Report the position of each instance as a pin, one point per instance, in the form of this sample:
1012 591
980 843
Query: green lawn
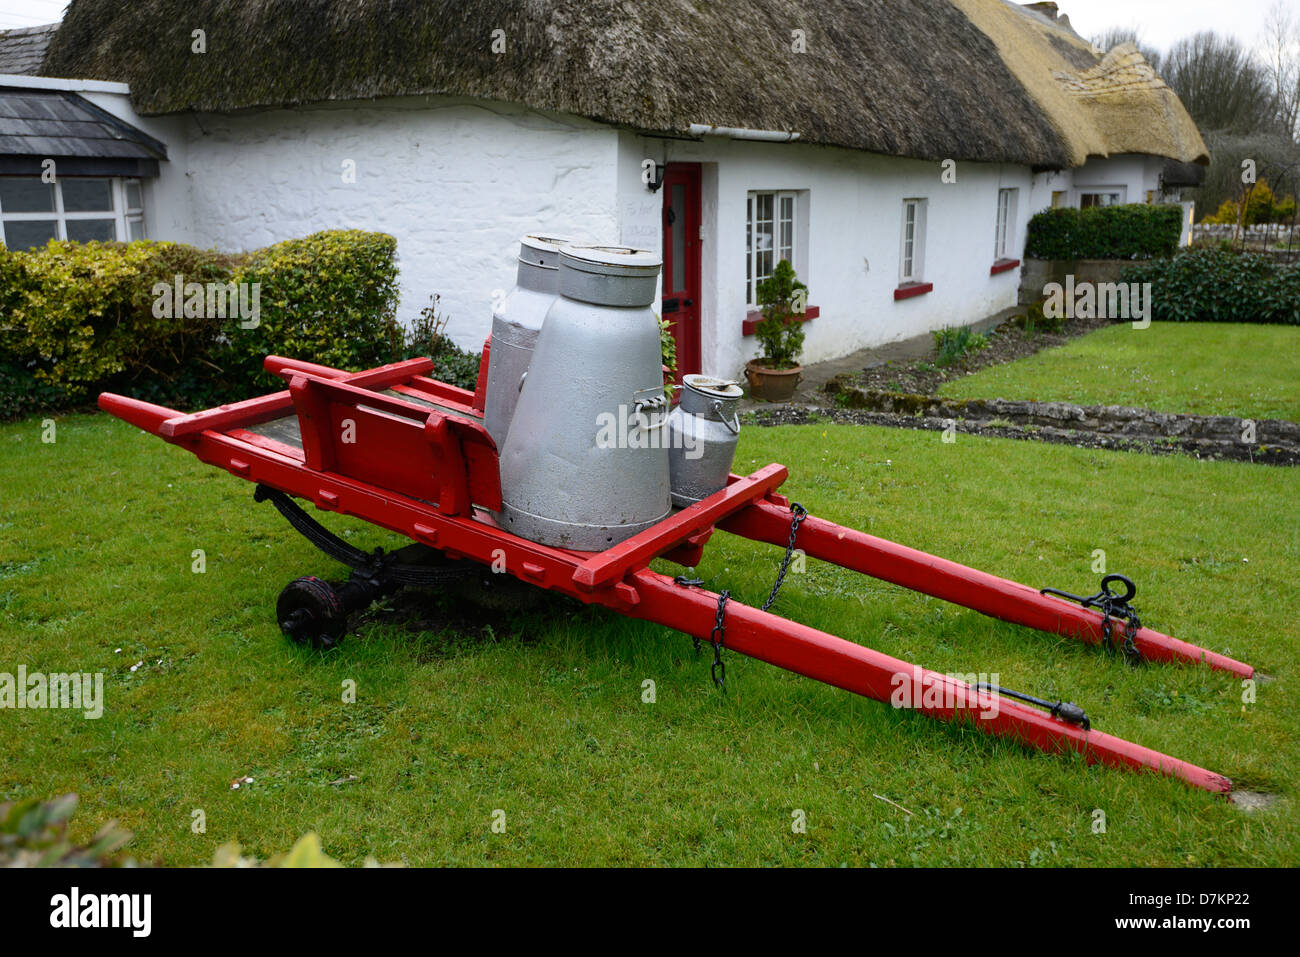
540 715
1203 368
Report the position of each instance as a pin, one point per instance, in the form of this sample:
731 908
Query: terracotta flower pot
774 385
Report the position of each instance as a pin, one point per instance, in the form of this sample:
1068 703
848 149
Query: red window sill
910 290
755 316
1003 265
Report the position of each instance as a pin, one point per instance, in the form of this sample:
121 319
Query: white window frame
911 242
123 217
1121 192
779 197
1004 233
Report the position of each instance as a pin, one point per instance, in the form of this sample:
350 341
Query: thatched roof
911 78
1102 103
23 48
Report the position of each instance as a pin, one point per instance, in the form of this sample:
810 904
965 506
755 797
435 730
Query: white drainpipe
737 133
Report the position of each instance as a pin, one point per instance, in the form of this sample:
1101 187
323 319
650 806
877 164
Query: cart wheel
309 612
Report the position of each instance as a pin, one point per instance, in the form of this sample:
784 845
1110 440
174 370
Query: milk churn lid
713 387
612 260
609 275
541 251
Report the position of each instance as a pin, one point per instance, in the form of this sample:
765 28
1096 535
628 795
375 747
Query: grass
1203 368
540 714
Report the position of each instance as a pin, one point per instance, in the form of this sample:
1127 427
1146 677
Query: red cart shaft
855 668
931 575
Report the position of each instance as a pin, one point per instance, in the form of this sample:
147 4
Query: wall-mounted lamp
652 174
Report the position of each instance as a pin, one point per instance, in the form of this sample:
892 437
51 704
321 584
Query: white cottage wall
457 182
168 210
852 208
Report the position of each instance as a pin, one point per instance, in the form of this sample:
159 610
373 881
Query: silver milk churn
585 463
702 434
516 323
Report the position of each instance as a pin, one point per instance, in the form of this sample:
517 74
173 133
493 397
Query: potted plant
783 299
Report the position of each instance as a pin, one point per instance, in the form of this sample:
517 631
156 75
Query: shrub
956 342
81 316
1035 320
329 298
783 299
1262 206
35 834
77 318
1216 285
1134 231
427 337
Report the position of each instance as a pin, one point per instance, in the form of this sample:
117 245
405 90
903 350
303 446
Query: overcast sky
30 13
1161 22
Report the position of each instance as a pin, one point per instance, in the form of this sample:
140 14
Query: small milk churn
702 434
516 323
585 462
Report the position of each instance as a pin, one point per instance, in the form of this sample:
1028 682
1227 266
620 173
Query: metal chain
798 513
719 633
1131 652
719 669
1111 606
1126 612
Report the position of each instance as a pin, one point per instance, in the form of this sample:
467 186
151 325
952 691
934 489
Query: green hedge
1135 231
1216 285
329 298
76 319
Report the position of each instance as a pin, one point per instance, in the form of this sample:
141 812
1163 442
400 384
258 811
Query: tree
1280 46
1222 86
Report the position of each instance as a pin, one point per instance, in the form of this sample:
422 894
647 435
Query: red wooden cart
405 452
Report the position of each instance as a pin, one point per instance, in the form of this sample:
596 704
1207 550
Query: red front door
681 301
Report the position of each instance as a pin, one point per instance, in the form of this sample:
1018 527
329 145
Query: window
771 234
1059 197
83 209
1101 196
1004 239
912 254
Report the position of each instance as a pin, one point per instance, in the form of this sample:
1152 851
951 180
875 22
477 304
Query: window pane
135 229
749 252
765 263
87 195
27 234
786 231
26 195
134 198
86 230
763 237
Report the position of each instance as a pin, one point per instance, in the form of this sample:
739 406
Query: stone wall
1035 274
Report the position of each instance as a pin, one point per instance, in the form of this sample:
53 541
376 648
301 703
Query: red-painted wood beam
931 575
855 668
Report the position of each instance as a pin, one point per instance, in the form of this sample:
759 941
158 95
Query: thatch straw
901 77
1101 105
